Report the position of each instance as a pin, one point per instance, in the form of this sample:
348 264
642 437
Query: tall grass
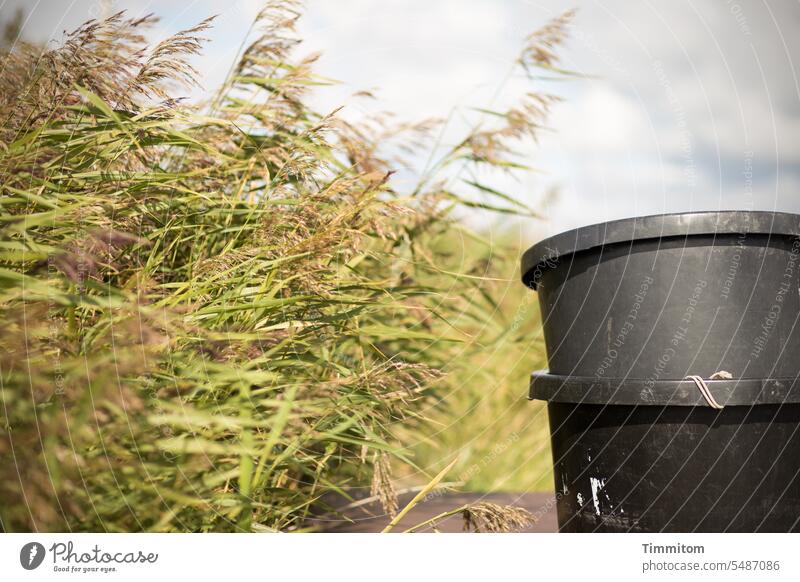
212 315
483 415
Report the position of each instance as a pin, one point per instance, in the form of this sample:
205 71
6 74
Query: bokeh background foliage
211 315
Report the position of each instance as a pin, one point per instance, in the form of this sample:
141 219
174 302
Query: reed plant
213 314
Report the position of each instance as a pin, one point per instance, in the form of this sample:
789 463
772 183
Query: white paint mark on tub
580 499
564 487
597 485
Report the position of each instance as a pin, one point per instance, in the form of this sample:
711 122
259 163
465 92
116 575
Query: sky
676 106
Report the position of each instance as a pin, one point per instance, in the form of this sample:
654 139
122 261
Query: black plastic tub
630 309
663 297
633 460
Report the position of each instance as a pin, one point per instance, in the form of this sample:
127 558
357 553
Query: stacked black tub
630 309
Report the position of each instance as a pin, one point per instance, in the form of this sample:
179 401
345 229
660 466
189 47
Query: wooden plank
370 517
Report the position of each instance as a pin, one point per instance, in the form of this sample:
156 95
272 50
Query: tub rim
545 254
647 392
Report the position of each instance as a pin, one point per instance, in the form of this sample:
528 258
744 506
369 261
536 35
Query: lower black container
630 456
